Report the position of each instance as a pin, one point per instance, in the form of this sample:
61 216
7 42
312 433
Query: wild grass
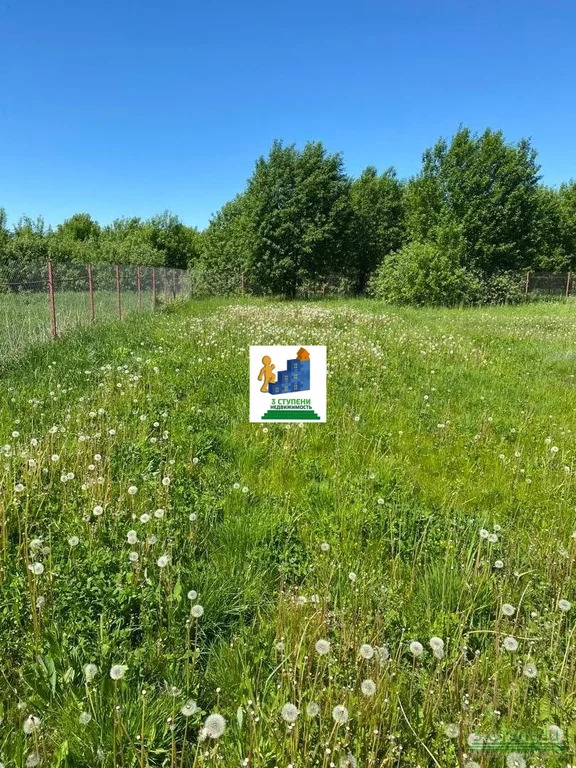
25 317
371 592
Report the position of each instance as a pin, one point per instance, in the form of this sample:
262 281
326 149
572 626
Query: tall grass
372 592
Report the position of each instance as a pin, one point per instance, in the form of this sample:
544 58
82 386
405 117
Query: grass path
364 532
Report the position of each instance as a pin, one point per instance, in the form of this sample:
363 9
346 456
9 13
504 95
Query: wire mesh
40 299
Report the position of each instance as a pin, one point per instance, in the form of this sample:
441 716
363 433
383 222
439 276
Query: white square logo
288 384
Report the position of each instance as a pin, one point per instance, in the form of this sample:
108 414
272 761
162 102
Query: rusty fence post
568 282
91 291
118 291
53 329
139 287
153 288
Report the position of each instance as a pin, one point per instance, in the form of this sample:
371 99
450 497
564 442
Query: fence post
527 286
153 287
139 287
118 292
164 287
173 284
91 290
53 329
568 281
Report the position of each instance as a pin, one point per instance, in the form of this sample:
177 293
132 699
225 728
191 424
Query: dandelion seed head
322 647
117 671
289 713
515 760
529 670
416 648
564 605
197 611
368 688
90 672
31 724
85 718
452 730
508 609
214 726
510 643
189 708
366 651
340 714
312 709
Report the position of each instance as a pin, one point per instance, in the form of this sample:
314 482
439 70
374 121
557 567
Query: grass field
25 317
368 592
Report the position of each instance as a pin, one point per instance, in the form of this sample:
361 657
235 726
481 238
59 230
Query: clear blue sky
121 108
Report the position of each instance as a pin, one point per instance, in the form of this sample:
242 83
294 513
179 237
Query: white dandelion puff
31 724
322 647
366 651
416 648
510 643
189 708
452 730
214 726
515 760
340 714
508 609
529 670
368 688
564 605
163 561
197 611
312 709
90 672
117 671
85 718
289 713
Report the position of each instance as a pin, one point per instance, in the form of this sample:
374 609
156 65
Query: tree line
463 229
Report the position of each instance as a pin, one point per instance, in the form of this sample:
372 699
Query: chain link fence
40 300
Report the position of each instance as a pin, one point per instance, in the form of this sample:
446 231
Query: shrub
422 273
503 288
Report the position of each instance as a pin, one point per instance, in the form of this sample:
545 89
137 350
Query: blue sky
129 108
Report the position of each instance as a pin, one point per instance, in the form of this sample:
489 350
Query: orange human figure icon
266 375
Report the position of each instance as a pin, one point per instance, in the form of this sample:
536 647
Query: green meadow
396 587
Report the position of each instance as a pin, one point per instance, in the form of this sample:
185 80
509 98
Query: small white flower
192 517
19 487
484 533
166 481
159 514
145 518
132 490
132 537
352 576
192 594
498 564
117 671
133 557
325 547
289 713
98 510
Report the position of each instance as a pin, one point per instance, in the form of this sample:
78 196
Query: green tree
482 194
299 213
378 228
179 244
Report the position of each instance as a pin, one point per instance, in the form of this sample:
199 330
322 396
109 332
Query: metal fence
39 300
551 285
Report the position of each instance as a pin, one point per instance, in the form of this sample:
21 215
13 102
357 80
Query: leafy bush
422 273
503 288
